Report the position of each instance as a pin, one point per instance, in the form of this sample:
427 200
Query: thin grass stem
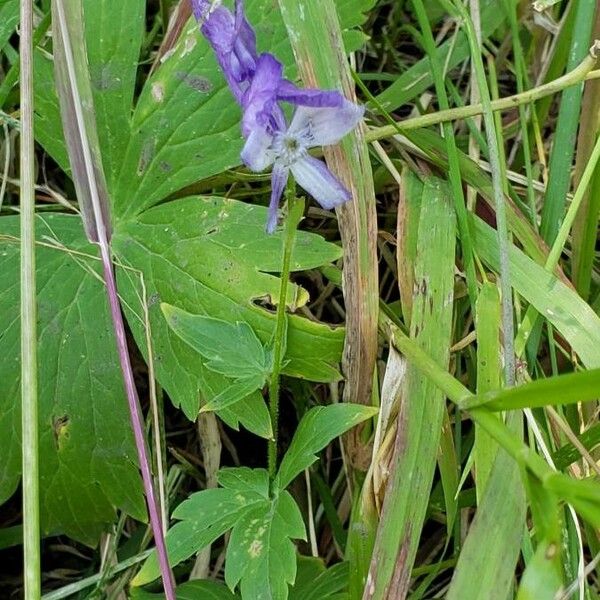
581 73
29 380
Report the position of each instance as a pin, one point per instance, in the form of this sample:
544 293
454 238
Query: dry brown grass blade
349 161
179 17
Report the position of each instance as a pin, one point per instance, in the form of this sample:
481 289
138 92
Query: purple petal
313 175
201 9
255 154
288 92
260 100
232 40
279 178
245 43
325 126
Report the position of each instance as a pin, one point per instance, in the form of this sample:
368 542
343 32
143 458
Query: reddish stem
137 423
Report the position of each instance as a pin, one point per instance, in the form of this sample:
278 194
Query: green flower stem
577 75
29 379
295 211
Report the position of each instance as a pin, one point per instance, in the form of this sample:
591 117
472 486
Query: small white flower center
288 148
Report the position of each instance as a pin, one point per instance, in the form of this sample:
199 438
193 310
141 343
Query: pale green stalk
581 73
29 382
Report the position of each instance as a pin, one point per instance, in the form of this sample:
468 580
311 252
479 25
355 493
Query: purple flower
321 119
233 40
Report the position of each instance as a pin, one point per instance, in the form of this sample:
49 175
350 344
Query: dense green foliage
408 461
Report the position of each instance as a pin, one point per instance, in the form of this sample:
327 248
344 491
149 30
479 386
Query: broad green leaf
9 17
315 582
184 112
561 305
206 515
231 349
318 427
191 590
114 32
89 465
211 256
260 554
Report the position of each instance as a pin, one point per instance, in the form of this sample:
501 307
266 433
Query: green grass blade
451 151
488 376
560 304
498 527
563 145
420 420
561 389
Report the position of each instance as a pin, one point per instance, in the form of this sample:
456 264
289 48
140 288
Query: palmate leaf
260 553
89 464
159 146
211 256
317 428
184 110
261 556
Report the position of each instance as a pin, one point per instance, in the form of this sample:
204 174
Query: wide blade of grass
422 406
488 376
498 527
560 304
561 389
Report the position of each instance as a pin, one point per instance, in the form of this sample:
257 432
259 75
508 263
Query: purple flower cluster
321 117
